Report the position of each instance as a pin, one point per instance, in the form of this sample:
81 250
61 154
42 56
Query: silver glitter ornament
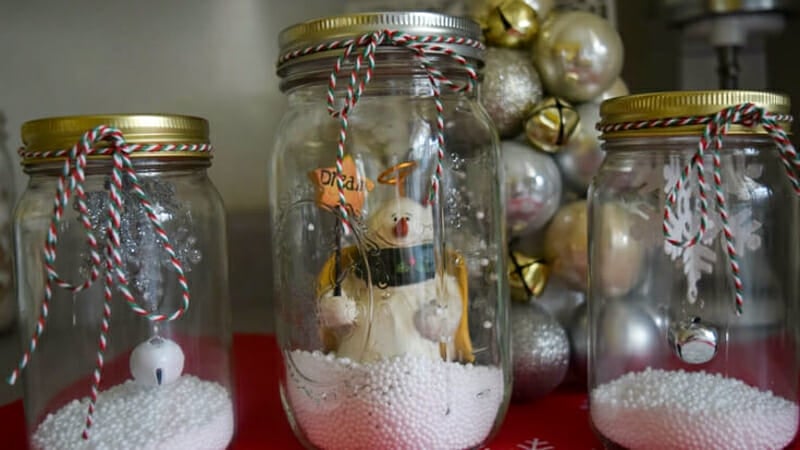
540 350
694 341
582 155
533 187
509 90
578 55
144 261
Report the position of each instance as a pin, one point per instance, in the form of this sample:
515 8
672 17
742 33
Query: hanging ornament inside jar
145 262
156 362
694 341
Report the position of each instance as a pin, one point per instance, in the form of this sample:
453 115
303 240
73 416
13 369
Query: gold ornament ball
578 55
618 89
511 24
618 257
583 154
509 90
551 124
567 244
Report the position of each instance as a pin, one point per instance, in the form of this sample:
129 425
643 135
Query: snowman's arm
438 319
335 310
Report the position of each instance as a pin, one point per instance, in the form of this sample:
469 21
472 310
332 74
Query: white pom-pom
337 310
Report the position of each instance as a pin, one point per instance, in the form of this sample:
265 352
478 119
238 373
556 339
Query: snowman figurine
391 301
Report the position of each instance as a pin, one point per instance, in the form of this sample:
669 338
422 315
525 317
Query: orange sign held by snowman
355 186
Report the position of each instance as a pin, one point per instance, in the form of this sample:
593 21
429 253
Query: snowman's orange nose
401 228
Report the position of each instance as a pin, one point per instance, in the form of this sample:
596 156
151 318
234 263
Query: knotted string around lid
71 181
717 126
422 47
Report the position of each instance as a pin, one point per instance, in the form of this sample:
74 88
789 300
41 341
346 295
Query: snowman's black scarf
397 266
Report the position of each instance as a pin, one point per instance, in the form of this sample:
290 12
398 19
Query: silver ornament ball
559 300
540 350
510 89
578 332
583 154
533 187
626 339
578 55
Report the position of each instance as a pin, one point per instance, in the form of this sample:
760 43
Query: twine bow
422 47
71 182
716 127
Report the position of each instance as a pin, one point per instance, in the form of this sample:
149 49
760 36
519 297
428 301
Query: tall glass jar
390 288
693 314
131 334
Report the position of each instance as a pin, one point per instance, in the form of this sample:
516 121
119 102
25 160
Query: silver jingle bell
694 341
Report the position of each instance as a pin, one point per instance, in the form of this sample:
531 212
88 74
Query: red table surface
558 421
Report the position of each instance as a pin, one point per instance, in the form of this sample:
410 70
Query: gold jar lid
679 104
42 138
321 34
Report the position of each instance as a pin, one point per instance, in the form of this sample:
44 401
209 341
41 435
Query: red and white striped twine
71 181
422 47
717 126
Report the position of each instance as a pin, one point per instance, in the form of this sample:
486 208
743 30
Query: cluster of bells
547 72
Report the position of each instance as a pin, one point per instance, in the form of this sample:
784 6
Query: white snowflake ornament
683 224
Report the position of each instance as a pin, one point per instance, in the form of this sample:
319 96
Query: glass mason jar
693 319
157 373
391 295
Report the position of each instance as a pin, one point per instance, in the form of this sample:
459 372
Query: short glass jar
679 357
157 373
391 296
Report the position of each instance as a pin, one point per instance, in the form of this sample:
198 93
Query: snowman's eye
394 218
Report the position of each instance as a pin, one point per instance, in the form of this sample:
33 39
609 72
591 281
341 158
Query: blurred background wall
215 59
